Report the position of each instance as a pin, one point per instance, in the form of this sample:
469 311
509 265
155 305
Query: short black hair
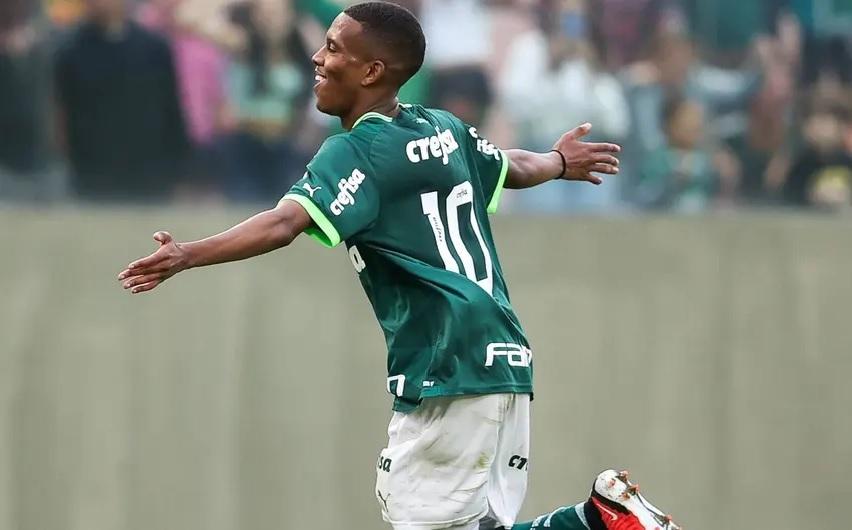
397 30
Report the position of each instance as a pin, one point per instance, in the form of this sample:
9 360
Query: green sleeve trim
324 232
372 115
498 192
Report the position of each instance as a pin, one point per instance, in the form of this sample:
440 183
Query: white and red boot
621 507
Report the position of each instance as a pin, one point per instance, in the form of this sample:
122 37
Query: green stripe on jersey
494 204
326 234
372 115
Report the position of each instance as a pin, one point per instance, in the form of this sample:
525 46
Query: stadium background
689 319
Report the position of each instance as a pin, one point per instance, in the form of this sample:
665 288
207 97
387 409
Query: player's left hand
147 273
584 159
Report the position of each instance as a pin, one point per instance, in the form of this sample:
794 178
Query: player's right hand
147 273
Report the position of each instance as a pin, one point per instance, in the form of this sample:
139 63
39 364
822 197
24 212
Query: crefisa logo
348 187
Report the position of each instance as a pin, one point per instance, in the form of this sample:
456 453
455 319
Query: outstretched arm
265 232
582 159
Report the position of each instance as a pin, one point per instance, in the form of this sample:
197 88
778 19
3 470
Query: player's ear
376 70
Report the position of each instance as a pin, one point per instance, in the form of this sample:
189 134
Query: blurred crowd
718 103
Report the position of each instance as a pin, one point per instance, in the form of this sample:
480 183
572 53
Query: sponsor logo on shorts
384 464
518 462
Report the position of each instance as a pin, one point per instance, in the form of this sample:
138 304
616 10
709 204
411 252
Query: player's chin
321 98
326 107
322 107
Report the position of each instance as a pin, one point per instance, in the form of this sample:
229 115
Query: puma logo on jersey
348 187
311 190
439 146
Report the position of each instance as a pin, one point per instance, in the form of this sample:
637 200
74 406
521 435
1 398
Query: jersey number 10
460 195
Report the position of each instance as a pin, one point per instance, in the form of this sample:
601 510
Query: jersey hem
326 234
400 406
494 204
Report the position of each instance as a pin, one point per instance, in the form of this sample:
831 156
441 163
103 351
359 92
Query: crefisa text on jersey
347 187
441 146
484 146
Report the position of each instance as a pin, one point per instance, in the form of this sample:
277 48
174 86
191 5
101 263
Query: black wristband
564 163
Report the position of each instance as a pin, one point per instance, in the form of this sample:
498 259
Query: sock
583 516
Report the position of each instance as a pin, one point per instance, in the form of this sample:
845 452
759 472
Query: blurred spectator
821 175
64 13
268 89
724 29
458 33
200 67
827 62
823 17
643 72
672 69
763 145
26 170
552 81
553 77
625 27
679 175
122 122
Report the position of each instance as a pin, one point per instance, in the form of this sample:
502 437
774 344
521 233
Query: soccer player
408 190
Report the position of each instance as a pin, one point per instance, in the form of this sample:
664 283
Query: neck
389 106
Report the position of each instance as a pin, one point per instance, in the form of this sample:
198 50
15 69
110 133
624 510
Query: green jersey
409 196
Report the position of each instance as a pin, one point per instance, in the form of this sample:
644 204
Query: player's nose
319 57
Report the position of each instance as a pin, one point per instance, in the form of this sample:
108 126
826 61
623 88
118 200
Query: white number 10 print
460 195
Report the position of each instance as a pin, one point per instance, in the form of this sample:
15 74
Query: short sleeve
492 165
338 191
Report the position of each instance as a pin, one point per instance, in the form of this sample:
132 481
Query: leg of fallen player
565 518
614 503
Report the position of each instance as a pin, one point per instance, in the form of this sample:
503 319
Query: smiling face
371 50
343 68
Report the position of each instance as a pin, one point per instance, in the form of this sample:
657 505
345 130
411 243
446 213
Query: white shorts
455 461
